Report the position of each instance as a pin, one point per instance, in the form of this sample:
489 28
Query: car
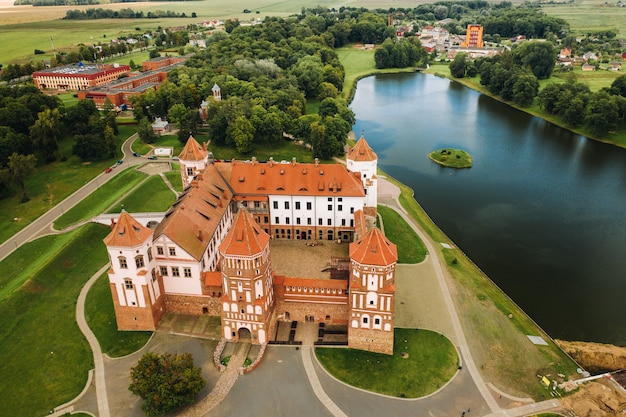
174 158
152 157
109 169
120 162
136 154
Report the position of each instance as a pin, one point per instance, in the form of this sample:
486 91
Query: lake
542 212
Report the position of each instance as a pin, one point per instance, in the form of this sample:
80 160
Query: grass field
40 342
152 195
100 317
589 15
411 250
175 179
431 362
101 199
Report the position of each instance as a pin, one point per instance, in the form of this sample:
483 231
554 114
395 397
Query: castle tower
136 288
372 289
193 159
217 92
248 300
361 158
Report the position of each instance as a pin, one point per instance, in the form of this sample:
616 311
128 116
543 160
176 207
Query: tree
145 132
165 382
602 114
539 57
45 132
310 73
525 89
154 53
21 166
458 66
242 133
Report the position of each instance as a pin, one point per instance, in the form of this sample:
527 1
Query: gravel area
293 258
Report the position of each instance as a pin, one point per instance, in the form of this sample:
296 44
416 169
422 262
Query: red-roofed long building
211 255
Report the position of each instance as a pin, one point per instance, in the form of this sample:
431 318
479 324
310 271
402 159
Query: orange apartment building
473 37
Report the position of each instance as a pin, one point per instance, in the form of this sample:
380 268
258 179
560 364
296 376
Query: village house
210 254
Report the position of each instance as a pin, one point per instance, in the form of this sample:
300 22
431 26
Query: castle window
286 205
297 220
128 283
187 272
276 221
365 320
351 210
139 261
343 222
159 250
330 207
308 221
175 271
149 254
351 222
376 321
172 251
339 207
287 220
297 205
308 205
330 222
153 275
330 199
320 222
275 205
123 263
163 271
189 171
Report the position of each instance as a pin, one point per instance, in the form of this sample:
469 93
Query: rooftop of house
245 237
374 249
361 152
127 232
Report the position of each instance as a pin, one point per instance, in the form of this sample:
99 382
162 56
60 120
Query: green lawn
282 150
161 141
100 317
40 342
411 249
152 195
432 360
175 179
102 198
589 15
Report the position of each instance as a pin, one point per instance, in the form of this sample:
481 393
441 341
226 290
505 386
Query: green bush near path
153 195
44 358
102 198
411 249
432 361
100 317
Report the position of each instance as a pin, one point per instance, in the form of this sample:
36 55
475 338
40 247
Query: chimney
112 222
200 237
253 160
271 161
317 162
204 145
293 161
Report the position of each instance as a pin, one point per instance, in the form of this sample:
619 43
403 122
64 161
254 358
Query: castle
210 254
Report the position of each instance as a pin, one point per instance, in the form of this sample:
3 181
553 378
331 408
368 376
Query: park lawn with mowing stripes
175 179
100 317
411 249
432 361
151 196
102 198
44 358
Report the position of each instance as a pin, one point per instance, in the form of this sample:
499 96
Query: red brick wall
187 304
371 340
137 318
298 311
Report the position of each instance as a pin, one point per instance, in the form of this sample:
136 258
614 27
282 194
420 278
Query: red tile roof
193 151
374 249
249 178
192 220
212 278
245 237
127 232
361 152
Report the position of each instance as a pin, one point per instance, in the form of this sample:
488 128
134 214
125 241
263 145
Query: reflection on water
542 211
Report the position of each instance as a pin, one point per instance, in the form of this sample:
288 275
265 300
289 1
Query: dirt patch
599 398
596 356
296 259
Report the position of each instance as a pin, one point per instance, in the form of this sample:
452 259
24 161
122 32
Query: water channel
542 211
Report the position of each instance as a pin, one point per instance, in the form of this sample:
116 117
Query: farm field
590 15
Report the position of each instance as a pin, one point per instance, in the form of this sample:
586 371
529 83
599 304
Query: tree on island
165 382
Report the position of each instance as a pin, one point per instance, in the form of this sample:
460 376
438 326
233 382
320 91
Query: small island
453 158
